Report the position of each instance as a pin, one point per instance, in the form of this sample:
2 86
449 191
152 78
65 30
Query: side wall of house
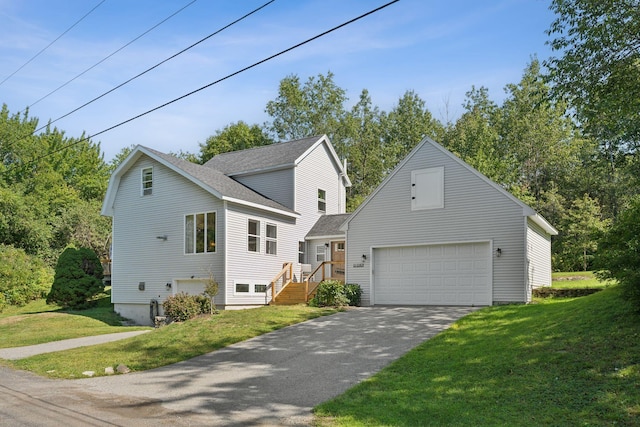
539 256
314 172
473 211
255 268
277 185
139 256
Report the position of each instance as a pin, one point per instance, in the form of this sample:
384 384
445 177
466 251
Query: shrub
330 293
182 306
618 255
547 292
353 292
78 279
23 277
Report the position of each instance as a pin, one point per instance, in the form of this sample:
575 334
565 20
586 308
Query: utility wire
49 45
113 53
215 82
155 66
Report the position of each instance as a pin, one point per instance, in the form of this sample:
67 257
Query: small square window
260 289
242 287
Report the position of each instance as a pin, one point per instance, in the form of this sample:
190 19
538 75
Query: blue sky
439 49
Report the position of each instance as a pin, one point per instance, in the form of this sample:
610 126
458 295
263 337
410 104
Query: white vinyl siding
474 211
277 185
255 268
539 257
139 256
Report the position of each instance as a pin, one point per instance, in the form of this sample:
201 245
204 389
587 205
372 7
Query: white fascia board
262 170
114 180
544 224
331 237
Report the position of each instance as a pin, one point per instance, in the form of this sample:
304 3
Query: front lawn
39 322
558 362
580 279
170 344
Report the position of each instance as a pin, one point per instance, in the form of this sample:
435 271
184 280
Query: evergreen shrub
78 279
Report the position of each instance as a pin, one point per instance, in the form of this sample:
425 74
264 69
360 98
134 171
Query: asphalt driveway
274 379
277 378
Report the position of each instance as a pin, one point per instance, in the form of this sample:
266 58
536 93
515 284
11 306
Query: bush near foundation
332 293
182 306
78 279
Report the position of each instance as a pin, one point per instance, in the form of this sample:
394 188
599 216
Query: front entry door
337 255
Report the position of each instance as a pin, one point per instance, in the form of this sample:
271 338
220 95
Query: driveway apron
277 378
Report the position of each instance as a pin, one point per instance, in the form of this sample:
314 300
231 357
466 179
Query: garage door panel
456 274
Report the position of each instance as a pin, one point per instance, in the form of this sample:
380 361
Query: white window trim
184 233
268 239
322 200
142 181
258 236
252 288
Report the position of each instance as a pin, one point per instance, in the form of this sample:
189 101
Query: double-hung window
322 200
272 239
147 181
253 235
320 253
200 233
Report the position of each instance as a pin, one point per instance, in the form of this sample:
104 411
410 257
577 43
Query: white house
238 218
438 232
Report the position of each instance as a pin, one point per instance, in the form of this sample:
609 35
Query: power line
157 65
113 53
255 64
49 45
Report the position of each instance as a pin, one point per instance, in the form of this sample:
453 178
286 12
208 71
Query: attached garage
444 274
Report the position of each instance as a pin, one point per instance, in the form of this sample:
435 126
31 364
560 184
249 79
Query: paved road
274 379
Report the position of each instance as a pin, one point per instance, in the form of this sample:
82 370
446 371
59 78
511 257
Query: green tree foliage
315 108
23 277
234 137
598 70
618 255
51 187
78 279
584 225
363 142
405 126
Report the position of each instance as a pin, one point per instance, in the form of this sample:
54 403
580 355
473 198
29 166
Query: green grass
39 322
170 344
557 362
580 279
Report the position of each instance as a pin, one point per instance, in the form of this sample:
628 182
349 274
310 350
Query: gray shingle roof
260 158
221 183
328 225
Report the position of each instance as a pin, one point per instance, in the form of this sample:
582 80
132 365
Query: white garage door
457 274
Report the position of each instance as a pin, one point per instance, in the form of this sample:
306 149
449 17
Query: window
322 200
260 289
242 287
147 181
340 247
427 188
320 252
200 233
301 246
253 236
272 239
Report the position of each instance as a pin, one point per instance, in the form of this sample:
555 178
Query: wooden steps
294 293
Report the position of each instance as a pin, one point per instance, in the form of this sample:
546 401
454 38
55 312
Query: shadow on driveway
279 377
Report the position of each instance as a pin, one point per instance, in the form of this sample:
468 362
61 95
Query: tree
77 280
315 108
233 137
585 226
405 126
598 71
618 255
363 141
